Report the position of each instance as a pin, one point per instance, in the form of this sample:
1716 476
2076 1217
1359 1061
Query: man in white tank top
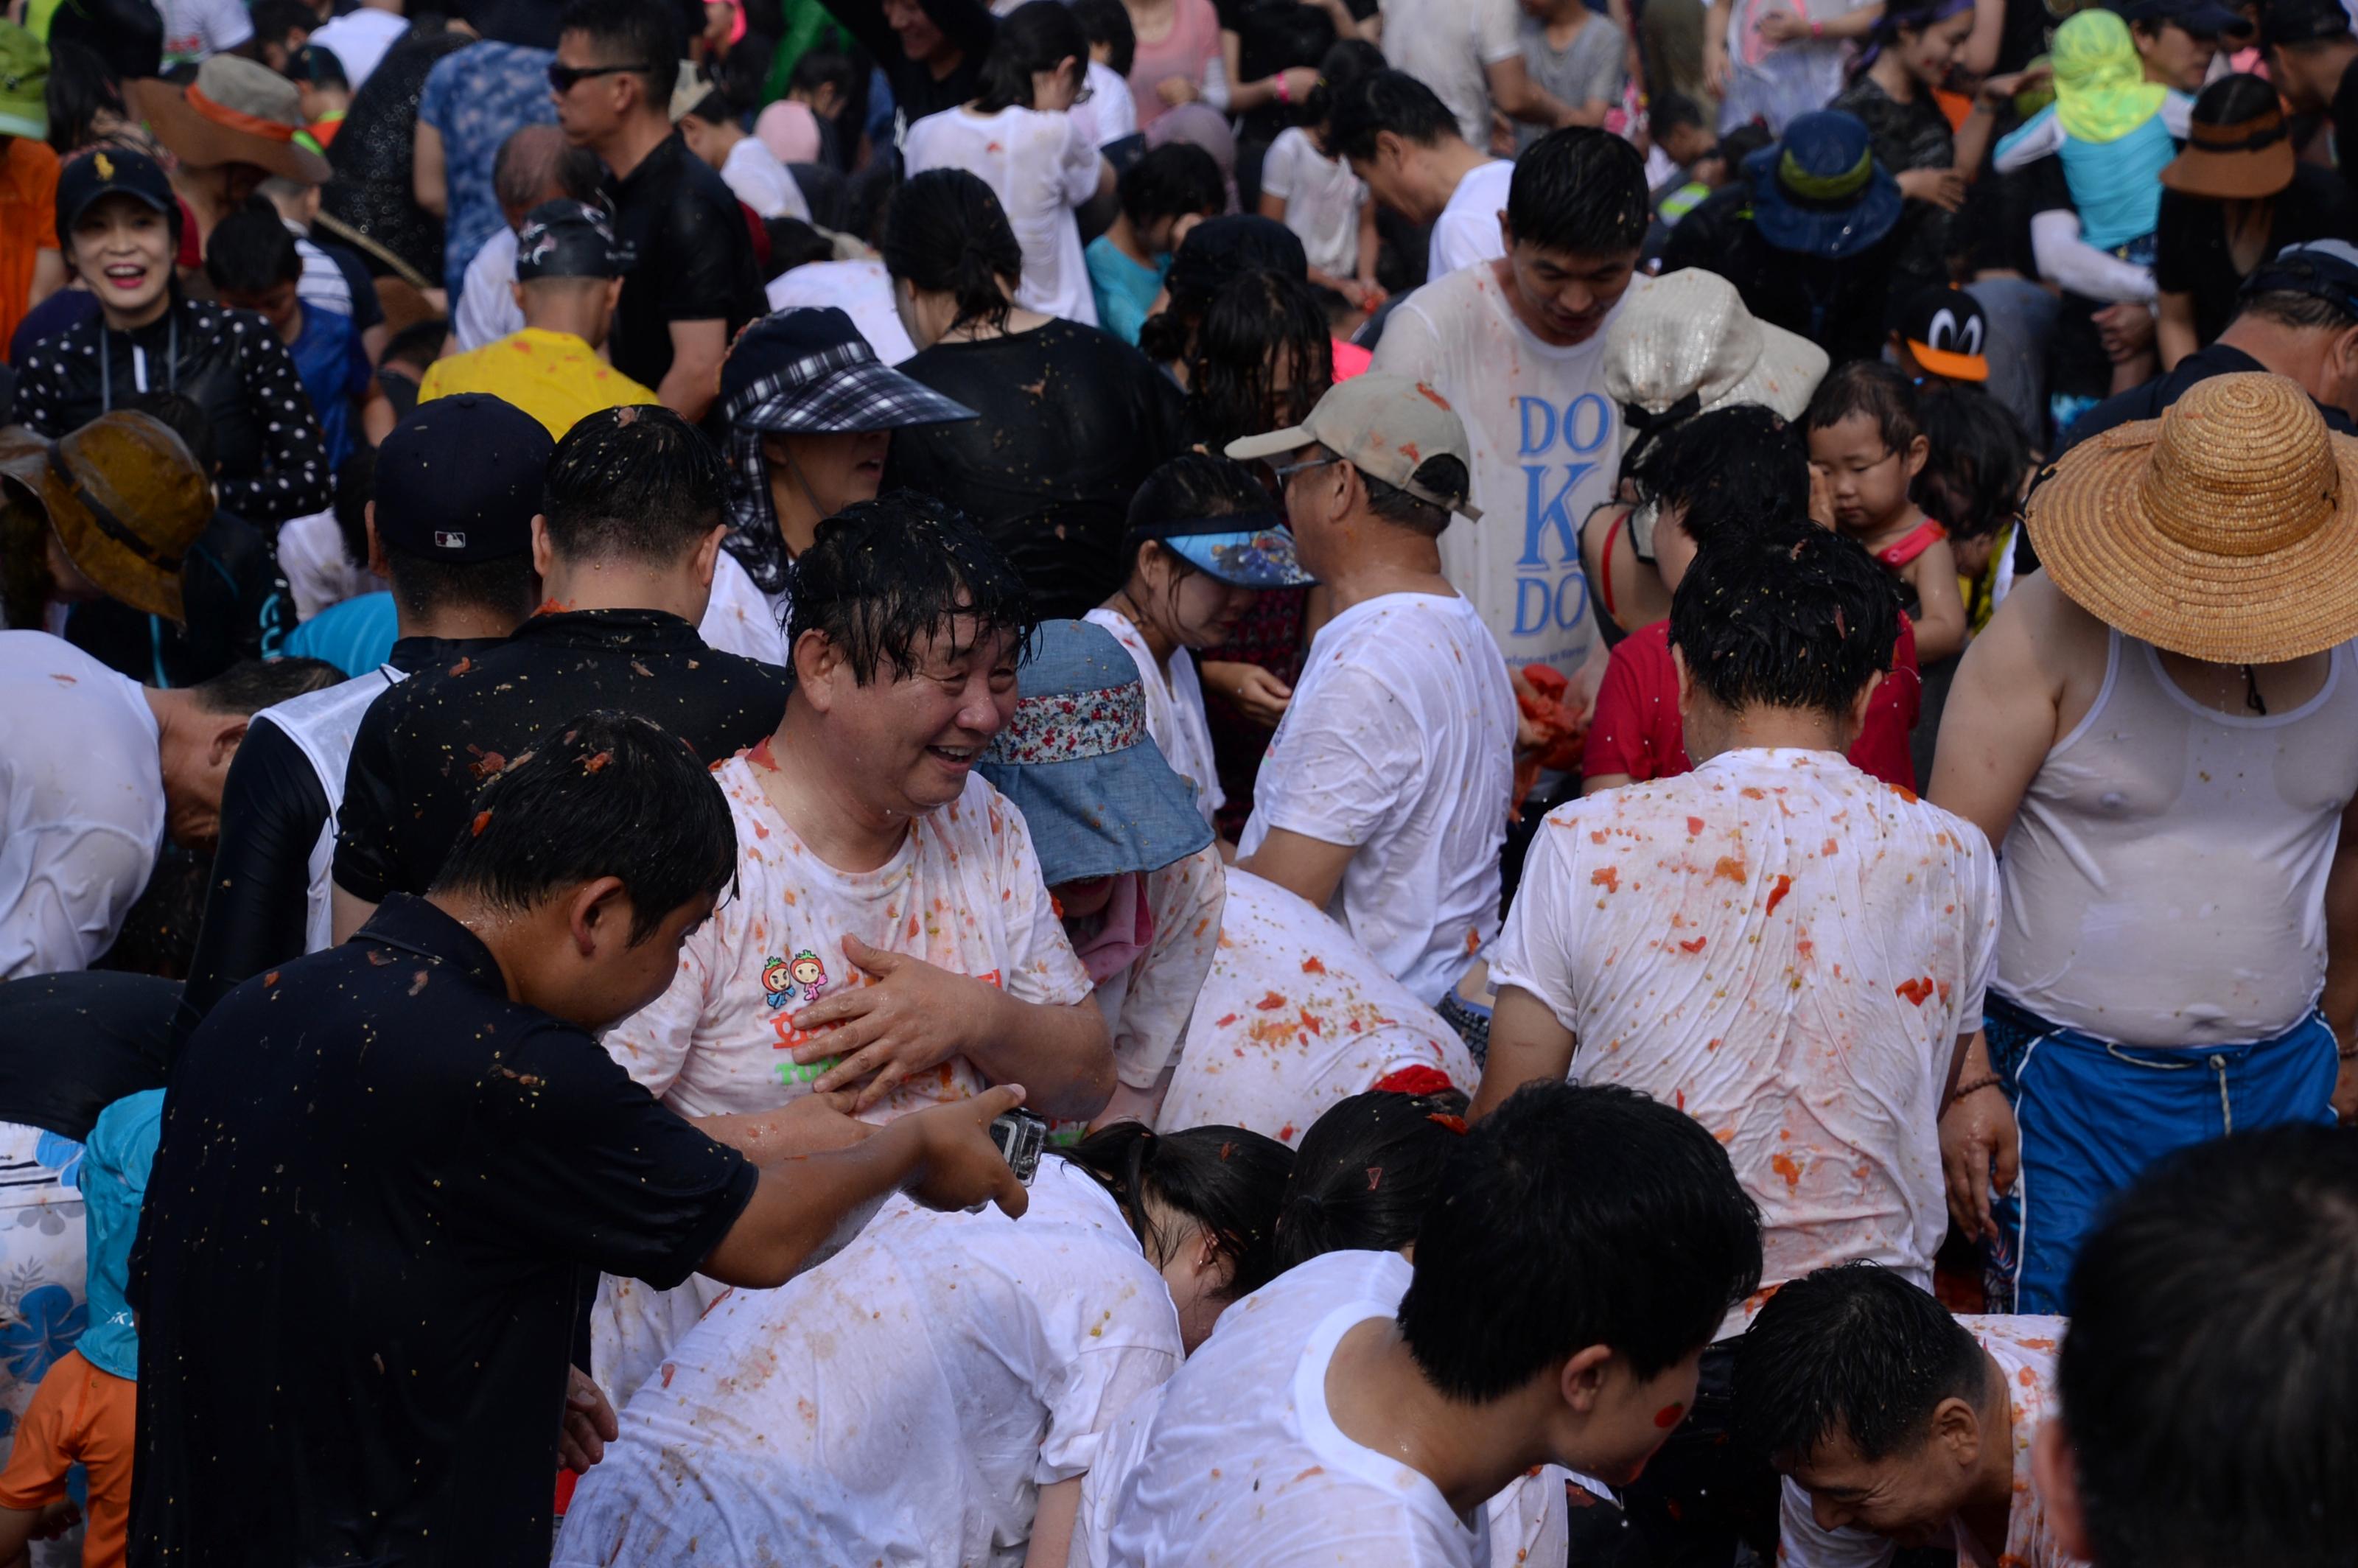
2161 731
451 527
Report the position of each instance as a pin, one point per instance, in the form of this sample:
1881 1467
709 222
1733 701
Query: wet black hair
1225 1179
419 343
600 794
1728 470
1214 253
1172 181
1856 1352
823 68
882 576
1971 481
1441 474
1107 22
1258 321
2207 1387
1673 110
1787 614
1035 37
128 35
1365 1173
1917 17
1580 190
946 233
643 33
637 482
1386 100
1190 486
252 684
185 418
1344 62
355 488
1741 142
252 251
794 244
276 20
2233 98
80 89
1575 1216
1873 388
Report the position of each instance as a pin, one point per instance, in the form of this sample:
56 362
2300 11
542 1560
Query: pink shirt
1187 49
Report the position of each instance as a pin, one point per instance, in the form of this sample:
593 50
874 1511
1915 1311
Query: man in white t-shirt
1518 347
196 29
1404 143
360 37
1564 1282
1384 796
1470 52
891 935
1895 1425
1787 949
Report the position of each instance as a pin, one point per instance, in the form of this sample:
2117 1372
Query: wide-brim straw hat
125 497
236 111
2226 529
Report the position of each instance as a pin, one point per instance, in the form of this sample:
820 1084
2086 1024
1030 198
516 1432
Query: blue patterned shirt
477 98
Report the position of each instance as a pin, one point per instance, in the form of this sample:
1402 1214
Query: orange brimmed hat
236 111
2226 529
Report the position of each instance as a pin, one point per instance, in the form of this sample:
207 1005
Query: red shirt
1636 728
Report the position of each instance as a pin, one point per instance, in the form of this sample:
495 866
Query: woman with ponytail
934 1393
1039 161
1073 420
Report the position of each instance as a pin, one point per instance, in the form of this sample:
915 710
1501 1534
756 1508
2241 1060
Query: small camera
1020 1135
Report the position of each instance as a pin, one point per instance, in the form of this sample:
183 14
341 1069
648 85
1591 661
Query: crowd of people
1178 782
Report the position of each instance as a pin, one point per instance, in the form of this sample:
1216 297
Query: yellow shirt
554 376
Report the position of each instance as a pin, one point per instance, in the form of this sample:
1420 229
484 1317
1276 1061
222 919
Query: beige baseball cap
1384 426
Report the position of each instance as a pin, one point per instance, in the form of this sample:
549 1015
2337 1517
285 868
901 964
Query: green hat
24 79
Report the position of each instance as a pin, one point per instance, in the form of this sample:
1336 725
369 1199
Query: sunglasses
564 78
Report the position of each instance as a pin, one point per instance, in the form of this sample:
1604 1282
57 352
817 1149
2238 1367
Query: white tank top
322 725
2164 880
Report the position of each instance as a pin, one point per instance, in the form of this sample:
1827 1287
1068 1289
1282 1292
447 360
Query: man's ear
228 729
1957 1427
1858 705
597 916
816 660
1582 1381
707 553
2055 1478
377 562
543 555
1686 676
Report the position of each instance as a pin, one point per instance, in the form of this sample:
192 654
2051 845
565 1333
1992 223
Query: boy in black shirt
389 1171
632 517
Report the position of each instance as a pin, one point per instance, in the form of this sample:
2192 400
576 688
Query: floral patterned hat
1077 762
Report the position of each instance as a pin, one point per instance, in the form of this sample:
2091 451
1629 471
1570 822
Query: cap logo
449 539
1945 334
104 165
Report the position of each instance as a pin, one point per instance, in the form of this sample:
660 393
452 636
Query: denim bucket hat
1077 762
1819 191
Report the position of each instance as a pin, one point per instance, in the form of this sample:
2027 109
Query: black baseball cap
2322 269
111 171
566 239
2204 19
2302 21
460 479
1945 330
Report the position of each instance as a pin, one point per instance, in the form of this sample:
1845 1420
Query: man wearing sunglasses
690 280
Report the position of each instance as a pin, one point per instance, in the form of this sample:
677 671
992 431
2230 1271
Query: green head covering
24 82
2101 93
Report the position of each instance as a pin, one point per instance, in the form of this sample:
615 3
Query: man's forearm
1061 1056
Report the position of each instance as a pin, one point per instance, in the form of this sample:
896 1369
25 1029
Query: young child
1867 445
1202 548
1113 46
84 1410
1162 195
322 93
254 265
1972 484
1310 190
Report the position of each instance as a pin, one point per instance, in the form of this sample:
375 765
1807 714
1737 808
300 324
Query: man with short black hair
692 282
1383 799
451 527
388 1171
1404 143
631 519
1360 1407
1895 1425
2313 60
1518 345
2210 1404
1789 950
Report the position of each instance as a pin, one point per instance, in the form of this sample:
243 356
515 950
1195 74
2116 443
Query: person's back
634 508
1784 948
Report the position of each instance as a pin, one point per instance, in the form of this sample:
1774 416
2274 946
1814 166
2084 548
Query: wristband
1285 93
1817 28
2347 1053
1976 1087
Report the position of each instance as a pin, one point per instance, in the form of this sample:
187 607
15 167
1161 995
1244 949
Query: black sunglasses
563 77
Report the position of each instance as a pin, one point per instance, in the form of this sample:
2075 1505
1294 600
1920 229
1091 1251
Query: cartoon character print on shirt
1558 448
804 980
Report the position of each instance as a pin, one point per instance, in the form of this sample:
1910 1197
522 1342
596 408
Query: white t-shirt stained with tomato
1786 949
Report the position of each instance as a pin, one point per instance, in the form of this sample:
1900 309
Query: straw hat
1688 335
236 111
126 498
2226 529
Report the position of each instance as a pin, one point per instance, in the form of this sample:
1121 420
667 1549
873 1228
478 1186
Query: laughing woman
121 227
933 1395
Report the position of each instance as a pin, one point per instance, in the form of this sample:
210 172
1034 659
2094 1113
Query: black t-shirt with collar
691 258
2190 252
382 1192
427 744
